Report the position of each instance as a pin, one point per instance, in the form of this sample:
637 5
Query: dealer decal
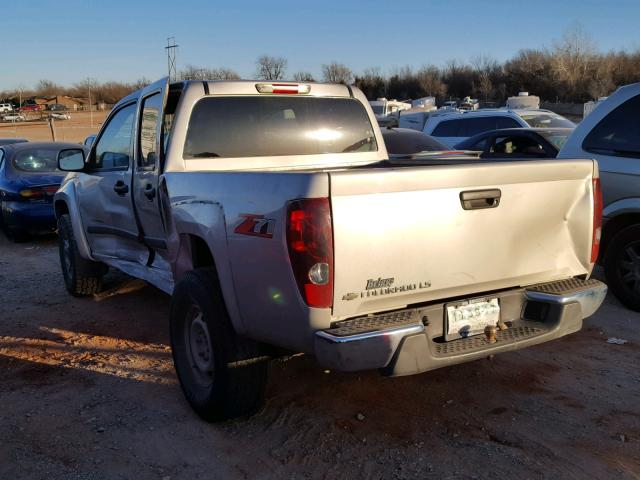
256 226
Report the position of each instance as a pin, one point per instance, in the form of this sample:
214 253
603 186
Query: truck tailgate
402 236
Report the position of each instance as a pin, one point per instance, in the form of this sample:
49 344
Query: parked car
404 141
60 116
89 140
30 107
28 180
6 107
13 117
610 134
454 127
10 140
57 107
517 142
274 217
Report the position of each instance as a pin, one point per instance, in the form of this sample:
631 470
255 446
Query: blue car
28 180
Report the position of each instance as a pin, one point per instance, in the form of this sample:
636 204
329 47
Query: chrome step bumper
411 341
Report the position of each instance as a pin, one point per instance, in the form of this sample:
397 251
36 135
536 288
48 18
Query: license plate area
470 317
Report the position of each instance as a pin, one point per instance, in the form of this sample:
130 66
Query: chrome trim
589 299
363 351
406 330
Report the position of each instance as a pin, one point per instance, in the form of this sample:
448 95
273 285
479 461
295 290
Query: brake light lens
283 88
37 193
597 220
310 243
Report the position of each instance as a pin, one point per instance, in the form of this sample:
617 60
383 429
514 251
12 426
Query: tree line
572 69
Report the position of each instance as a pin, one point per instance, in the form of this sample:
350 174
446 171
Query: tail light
38 193
310 243
597 220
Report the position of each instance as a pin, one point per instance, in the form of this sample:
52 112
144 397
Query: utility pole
171 57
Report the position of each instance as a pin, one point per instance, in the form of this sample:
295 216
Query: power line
171 57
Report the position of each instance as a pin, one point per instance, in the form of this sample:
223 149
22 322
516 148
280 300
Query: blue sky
68 40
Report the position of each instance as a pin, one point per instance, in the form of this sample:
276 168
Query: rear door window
507 122
447 128
474 126
617 134
257 126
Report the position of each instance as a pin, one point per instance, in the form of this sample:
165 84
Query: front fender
67 195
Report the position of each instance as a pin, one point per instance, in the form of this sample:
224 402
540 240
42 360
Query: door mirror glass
71 160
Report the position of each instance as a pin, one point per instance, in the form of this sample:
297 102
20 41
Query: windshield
378 109
546 120
36 160
558 139
256 126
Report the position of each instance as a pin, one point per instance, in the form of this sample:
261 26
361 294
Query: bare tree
430 81
485 68
193 72
337 73
372 83
303 77
271 68
47 88
573 57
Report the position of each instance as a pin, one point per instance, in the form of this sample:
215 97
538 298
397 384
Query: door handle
121 188
478 199
149 191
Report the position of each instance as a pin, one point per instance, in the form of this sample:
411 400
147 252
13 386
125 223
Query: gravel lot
88 391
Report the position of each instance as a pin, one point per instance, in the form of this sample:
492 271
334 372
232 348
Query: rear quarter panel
255 273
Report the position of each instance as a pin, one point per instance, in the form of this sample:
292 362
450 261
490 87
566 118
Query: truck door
148 163
104 190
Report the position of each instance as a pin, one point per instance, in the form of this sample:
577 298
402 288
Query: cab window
113 148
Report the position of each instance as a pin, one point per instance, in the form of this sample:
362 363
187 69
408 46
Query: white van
6 107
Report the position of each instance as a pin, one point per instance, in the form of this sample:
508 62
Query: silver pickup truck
274 217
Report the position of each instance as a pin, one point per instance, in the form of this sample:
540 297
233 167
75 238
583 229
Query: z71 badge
256 226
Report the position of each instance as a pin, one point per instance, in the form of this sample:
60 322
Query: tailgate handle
477 199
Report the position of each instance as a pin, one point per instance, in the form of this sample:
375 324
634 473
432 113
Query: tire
82 277
622 266
221 374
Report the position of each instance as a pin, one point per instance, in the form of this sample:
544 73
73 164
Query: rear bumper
411 341
29 215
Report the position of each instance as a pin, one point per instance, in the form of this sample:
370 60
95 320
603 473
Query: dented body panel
403 235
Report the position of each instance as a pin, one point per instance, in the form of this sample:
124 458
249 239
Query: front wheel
622 266
221 374
82 277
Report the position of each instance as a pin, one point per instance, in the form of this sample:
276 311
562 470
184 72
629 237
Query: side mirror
71 160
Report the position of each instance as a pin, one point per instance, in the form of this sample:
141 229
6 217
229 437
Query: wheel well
61 208
615 225
201 255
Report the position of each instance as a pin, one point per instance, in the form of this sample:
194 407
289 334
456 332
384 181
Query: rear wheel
622 266
82 277
221 374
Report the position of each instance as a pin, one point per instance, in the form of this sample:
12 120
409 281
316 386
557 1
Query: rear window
618 133
547 120
36 160
468 127
230 127
408 142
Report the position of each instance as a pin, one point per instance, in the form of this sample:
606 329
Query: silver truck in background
611 136
274 217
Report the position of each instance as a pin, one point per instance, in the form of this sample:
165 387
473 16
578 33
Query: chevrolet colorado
274 217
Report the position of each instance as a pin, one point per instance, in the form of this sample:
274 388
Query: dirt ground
79 127
87 391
